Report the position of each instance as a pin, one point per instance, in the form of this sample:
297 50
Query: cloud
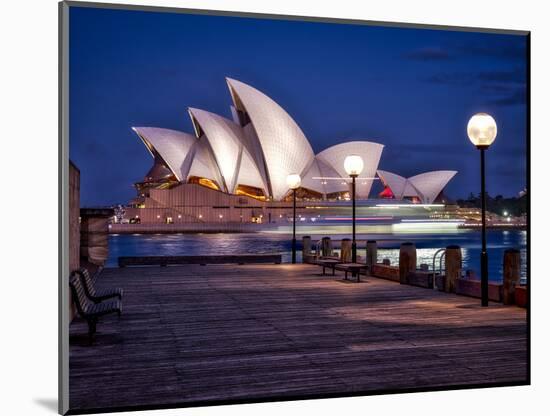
503 88
463 78
495 88
517 97
504 50
516 75
451 78
428 54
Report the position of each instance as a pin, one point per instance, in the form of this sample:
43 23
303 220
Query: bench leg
323 270
333 269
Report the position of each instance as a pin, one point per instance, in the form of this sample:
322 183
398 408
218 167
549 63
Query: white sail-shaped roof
425 186
202 162
263 145
370 153
225 139
308 182
252 145
395 182
331 186
320 169
410 191
430 184
249 174
171 145
284 147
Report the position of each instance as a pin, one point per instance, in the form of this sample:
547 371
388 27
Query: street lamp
293 181
353 164
482 131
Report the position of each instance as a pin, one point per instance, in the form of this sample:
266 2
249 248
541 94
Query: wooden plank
191 334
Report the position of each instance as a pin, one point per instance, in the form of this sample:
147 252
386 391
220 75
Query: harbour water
278 241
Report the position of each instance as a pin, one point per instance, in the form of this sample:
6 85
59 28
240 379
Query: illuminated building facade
235 170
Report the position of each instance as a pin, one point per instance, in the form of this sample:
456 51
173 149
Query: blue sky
412 90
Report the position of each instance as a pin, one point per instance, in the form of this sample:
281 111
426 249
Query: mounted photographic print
267 208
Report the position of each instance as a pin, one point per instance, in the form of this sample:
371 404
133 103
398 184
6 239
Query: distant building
246 161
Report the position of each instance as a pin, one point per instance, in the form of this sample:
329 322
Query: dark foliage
514 206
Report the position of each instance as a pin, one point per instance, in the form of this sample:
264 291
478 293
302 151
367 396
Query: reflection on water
278 242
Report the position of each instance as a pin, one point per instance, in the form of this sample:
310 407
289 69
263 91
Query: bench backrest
79 296
87 282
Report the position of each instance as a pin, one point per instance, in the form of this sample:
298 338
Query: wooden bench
92 293
88 310
353 268
328 263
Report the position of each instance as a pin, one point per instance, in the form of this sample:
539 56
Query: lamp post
293 181
482 131
353 164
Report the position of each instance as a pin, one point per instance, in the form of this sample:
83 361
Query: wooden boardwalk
194 333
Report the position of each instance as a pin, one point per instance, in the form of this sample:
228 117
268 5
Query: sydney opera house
236 170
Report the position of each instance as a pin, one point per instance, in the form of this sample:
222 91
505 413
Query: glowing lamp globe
482 130
293 181
353 164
